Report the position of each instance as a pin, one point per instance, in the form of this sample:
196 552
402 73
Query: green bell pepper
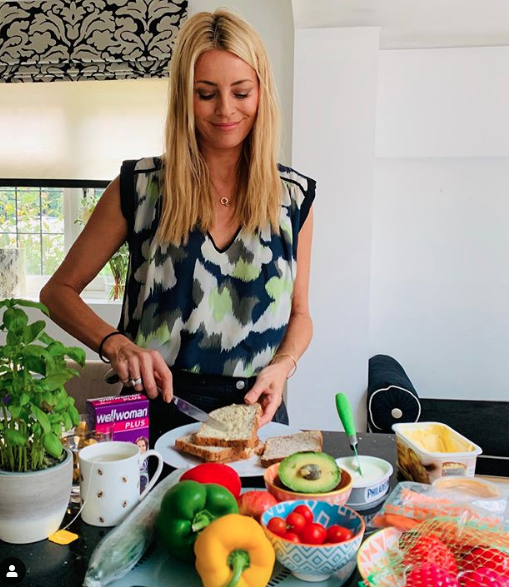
188 508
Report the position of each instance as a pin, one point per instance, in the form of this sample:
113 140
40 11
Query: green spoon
345 413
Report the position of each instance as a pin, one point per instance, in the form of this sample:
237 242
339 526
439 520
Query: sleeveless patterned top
209 310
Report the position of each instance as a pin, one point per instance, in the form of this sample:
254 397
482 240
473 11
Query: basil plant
35 409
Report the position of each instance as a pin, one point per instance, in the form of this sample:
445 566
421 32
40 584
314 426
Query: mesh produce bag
446 552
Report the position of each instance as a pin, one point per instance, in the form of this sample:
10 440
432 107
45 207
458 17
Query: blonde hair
187 197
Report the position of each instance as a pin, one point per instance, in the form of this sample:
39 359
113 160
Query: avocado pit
310 472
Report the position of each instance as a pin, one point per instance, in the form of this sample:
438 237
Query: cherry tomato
338 533
313 534
295 522
277 526
303 510
291 536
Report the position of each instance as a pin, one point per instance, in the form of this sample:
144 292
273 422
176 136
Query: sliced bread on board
279 447
242 421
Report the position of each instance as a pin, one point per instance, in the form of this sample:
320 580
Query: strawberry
482 577
487 558
430 575
428 549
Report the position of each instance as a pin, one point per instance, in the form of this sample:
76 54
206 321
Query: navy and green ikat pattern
220 312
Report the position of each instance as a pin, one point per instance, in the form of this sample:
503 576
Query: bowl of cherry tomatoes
315 539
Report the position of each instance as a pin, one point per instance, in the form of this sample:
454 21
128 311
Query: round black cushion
392 398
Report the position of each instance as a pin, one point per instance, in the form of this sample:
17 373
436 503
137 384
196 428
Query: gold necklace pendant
225 202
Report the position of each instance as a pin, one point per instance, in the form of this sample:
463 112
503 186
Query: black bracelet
100 351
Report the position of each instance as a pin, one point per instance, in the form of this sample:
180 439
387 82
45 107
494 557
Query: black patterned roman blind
51 40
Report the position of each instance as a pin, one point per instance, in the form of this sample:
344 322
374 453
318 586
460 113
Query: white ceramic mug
110 481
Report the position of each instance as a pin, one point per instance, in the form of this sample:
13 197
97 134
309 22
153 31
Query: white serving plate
245 468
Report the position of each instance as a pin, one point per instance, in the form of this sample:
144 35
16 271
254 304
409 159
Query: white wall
439 284
333 141
107 311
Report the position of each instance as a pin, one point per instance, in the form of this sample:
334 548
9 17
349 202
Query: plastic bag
411 503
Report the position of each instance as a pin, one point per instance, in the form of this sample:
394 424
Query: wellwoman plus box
125 417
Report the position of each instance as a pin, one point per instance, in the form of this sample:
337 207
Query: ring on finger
136 381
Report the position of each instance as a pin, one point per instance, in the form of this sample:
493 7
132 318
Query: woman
214 307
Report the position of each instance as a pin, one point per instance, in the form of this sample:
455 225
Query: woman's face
226 94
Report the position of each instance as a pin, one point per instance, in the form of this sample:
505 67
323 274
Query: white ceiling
413 24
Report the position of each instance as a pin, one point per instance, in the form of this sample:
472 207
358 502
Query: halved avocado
309 472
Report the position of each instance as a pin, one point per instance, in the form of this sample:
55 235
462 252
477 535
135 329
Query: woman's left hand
268 390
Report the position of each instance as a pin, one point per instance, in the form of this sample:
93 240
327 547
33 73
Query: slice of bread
278 448
245 453
216 454
242 421
212 454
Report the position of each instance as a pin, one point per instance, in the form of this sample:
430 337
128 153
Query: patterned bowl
372 556
318 562
338 496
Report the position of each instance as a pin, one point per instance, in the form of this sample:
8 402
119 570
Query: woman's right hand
130 361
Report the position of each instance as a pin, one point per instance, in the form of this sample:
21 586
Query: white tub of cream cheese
430 450
370 488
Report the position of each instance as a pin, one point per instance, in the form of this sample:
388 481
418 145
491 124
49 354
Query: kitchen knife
184 406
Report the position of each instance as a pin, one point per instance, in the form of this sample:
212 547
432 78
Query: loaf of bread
242 423
278 448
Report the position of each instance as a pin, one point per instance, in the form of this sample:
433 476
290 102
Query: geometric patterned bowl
338 496
318 562
373 552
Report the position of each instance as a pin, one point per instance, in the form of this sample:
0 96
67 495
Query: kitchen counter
65 566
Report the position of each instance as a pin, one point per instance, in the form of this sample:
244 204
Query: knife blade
193 412
184 406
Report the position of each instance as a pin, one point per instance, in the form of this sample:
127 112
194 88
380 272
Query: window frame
73 193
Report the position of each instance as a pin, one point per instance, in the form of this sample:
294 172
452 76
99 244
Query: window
32 218
45 221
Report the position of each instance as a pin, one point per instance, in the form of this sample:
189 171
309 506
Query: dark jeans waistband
220 385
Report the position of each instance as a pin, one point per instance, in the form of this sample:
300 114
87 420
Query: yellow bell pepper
233 551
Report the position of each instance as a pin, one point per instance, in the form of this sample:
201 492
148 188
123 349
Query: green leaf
35 350
76 354
67 421
36 365
13 338
46 339
49 399
14 437
32 331
29 304
55 381
15 319
14 410
52 444
42 418
75 415
56 349
24 399
57 428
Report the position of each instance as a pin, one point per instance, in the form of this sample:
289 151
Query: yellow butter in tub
438 438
